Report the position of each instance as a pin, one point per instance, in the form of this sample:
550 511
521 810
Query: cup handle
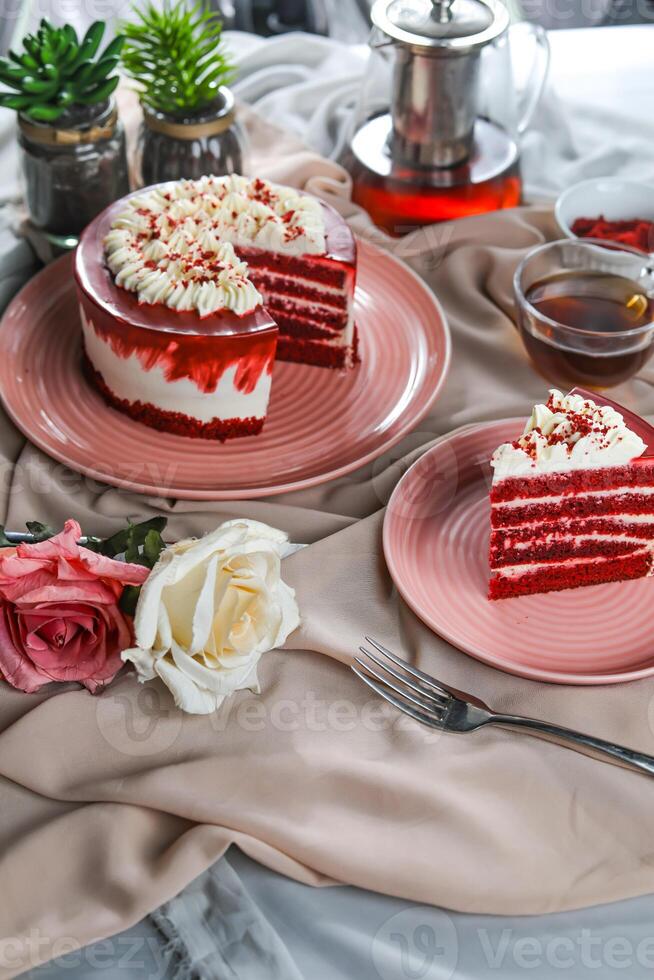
529 98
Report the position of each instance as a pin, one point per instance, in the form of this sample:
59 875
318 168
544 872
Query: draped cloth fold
112 804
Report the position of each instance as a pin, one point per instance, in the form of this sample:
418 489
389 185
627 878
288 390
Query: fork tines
402 685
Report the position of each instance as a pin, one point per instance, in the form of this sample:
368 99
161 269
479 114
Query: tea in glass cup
586 311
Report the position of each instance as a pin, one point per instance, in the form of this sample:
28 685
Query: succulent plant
56 71
176 56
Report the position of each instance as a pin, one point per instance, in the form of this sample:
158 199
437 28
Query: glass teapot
447 95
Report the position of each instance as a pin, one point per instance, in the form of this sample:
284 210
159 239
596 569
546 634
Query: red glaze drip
200 359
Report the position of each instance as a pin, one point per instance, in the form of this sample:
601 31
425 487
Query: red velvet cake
188 291
572 500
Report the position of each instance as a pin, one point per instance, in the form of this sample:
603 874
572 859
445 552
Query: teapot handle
531 95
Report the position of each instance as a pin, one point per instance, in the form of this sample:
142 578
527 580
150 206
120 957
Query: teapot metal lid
456 24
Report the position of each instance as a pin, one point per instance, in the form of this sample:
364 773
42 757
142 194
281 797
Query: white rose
209 609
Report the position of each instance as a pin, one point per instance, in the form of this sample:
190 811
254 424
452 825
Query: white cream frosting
568 433
174 244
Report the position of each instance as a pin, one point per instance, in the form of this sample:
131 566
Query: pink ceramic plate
436 535
321 423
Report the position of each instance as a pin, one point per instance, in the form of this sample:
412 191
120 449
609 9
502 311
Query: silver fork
439 706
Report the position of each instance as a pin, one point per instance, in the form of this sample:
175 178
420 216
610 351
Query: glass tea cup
585 311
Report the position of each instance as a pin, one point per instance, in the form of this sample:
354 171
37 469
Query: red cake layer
280 306
559 549
317 268
291 327
317 352
639 473
615 525
556 577
551 537
298 288
174 422
573 506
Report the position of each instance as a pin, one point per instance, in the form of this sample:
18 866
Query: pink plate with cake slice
436 535
321 423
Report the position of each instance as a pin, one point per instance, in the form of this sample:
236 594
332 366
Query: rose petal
127 573
17 669
187 695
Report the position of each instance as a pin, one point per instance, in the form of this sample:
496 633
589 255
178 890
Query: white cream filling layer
128 380
568 538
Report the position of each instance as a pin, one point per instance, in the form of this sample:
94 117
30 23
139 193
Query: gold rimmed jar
210 141
72 169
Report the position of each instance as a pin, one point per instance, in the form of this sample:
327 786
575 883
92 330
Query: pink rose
59 615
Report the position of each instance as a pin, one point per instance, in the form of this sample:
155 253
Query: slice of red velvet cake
572 500
306 274
301 257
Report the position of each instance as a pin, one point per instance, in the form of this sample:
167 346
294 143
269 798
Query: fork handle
597 747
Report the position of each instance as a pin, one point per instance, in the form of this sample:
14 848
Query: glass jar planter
73 169
175 147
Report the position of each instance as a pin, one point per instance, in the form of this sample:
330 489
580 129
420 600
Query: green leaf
65 97
176 55
70 57
102 68
32 47
44 113
24 60
38 86
92 38
152 547
129 599
114 48
4 540
82 76
18 102
47 53
41 532
99 92
71 33
133 535
9 74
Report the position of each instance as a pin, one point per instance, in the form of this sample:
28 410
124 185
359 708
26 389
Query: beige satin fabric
111 804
